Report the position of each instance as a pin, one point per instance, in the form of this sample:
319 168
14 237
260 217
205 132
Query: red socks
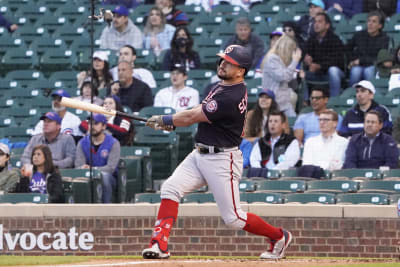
257 226
168 208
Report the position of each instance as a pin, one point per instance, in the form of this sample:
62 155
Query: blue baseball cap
121 10
267 92
61 92
275 33
319 3
52 116
99 118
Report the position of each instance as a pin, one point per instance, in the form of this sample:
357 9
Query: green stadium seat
150 111
394 198
41 45
8 43
186 140
32 33
147 198
53 4
334 186
83 45
304 198
145 58
247 185
208 57
279 186
363 198
228 12
261 197
198 198
81 187
209 23
340 101
24 93
192 11
24 198
360 174
7 121
64 79
392 174
69 34
56 59
19 59
164 150
359 18
24 77
73 12
17 134
386 187
32 13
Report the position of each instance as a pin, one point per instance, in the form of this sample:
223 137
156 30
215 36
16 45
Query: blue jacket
353 121
361 154
350 7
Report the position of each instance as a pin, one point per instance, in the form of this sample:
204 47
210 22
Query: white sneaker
154 252
278 247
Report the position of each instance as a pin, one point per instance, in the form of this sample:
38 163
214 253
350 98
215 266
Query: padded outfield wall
125 229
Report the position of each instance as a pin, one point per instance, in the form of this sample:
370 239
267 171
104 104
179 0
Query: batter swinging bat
73 103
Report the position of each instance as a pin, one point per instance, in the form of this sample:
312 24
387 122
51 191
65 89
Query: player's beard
57 109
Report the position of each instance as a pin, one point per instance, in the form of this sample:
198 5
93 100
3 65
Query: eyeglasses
316 98
324 120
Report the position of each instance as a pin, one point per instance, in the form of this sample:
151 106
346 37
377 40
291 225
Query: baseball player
216 160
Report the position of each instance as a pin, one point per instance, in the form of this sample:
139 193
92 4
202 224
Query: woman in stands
279 67
181 52
120 127
173 15
157 35
102 77
8 177
86 91
42 176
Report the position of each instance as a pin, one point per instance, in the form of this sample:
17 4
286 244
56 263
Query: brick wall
207 235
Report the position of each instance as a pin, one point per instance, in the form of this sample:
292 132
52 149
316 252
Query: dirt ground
212 263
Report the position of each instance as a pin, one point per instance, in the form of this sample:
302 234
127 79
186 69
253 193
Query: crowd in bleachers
325 79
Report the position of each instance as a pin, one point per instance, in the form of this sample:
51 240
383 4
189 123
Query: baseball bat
77 104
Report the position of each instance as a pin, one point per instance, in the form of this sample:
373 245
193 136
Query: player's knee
169 191
235 224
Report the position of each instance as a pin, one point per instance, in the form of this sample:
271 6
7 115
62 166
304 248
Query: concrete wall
319 230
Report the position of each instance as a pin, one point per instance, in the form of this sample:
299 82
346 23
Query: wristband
167 120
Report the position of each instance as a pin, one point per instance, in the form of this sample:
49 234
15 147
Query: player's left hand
155 122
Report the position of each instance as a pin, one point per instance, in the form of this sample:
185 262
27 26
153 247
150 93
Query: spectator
173 16
105 155
42 176
257 118
291 29
363 48
70 122
119 127
276 150
346 7
332 145
246 38
9 177
11 27
353 121
386 7
384 64
307 124
121 32
128 53
62 146
101 77
181 51
372 148
133 93
178 96
279 68
88 89
273 37
325 57
157 35
306 22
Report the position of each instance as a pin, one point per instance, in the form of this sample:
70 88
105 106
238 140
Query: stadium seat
15 59
52 23
64 79
72 12
24 198
186 140
32 13
261 197
279 186
82 188
247 185
363 198
386 187
7 121
145 58
41 45
334 186
56 59
24 77
209 23
208 57
304 198
31 33
8 43
198 198
392 174
358 174
341 102
192 11
69 34
228 12
147 198
394 198
53 4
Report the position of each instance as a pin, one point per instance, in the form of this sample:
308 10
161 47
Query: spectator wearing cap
291 28
307 124
105 155
121 32
306 22
157 34
133 93
87 90
102 77
181 52
246 38
70 122
9 177
128 53
353 121
362 49
173 16
346 7
324 59
62 146
328 141
119 127
278 69
177 96
372 148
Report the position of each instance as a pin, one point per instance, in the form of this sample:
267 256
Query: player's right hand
155 122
